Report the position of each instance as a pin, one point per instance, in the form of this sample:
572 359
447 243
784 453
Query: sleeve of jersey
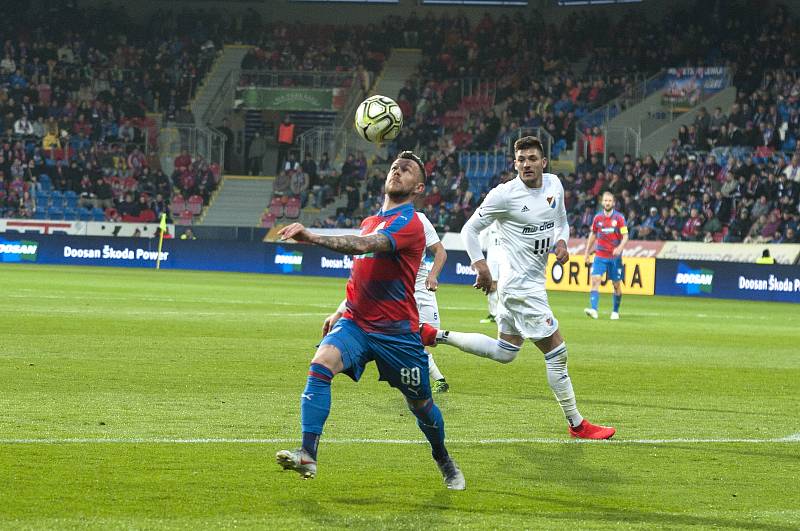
431 238
561 231
402 232
623 227
492 207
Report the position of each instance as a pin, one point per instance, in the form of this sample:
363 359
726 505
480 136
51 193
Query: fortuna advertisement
639 276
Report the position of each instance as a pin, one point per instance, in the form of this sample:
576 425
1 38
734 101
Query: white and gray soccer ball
378 119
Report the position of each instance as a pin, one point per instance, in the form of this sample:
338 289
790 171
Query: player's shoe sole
299 461
591 312
452 475
587 430
614 316
440 386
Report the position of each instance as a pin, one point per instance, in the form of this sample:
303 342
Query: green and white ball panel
378 119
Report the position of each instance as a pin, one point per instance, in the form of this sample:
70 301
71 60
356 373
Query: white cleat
591 312
299 461
453 477
615 316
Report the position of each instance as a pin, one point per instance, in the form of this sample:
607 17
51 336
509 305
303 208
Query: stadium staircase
239 202
400 66
219 85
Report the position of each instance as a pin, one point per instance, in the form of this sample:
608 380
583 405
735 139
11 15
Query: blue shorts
401 359
612 266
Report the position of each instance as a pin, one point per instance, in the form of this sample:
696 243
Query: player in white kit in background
532 222
424 292
490 242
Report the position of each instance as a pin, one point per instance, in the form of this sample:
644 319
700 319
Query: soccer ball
378 119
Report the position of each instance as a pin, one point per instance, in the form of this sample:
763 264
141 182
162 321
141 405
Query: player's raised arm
343 243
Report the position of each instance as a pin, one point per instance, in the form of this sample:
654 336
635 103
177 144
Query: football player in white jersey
490 242
532 222
424 292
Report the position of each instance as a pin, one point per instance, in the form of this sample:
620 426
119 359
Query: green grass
122 354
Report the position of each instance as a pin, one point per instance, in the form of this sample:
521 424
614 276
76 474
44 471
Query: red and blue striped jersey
609 231
380 292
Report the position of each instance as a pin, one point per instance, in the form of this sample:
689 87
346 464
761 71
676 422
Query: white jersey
431 238
490 238
530 222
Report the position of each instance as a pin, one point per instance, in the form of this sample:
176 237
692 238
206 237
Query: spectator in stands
792 170
291 164
299 186
255 154
282 186
286 137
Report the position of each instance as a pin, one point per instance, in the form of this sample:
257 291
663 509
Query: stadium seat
178 204
55 212
292 208
70 214
70 200
42 199
57 199
195 205
40 213
98 214
184 218
84 214
276 207
268 220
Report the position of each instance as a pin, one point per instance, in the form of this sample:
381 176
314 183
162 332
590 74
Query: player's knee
418 405
505 352
328 356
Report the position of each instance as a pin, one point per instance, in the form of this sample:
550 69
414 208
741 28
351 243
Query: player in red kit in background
611 234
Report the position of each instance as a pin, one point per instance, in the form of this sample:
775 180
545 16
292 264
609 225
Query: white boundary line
795 438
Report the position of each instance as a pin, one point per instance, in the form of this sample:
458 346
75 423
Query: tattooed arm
345 243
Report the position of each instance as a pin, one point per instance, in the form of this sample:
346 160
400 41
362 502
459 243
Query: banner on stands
639 275
724 280
287 99
686 87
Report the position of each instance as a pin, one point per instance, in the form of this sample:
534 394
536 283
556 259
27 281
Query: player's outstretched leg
315 405
560 383
431 422
439 385
477 344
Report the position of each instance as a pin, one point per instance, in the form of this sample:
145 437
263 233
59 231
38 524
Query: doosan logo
290 261
18 251
694 281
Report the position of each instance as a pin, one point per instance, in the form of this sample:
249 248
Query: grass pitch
136 399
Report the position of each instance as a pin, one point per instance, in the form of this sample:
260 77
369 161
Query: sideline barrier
643 275
723 280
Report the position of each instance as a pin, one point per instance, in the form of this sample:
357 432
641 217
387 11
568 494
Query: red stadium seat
178 204
184 218
195 205
268 220
276 207
292 208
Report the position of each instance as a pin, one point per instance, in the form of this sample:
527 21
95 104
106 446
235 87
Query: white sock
558 378
433 370
493 303
480 345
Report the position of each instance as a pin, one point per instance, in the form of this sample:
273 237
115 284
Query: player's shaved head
409 155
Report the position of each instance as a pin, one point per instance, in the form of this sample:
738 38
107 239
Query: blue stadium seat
55 212
98 214
57 199
40 213
70 214
70 200
42 199
84 214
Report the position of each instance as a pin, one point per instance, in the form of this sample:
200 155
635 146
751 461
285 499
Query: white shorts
428 308
529 316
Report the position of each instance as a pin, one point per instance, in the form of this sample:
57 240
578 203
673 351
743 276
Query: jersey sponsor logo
614 223
525 208
538 227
